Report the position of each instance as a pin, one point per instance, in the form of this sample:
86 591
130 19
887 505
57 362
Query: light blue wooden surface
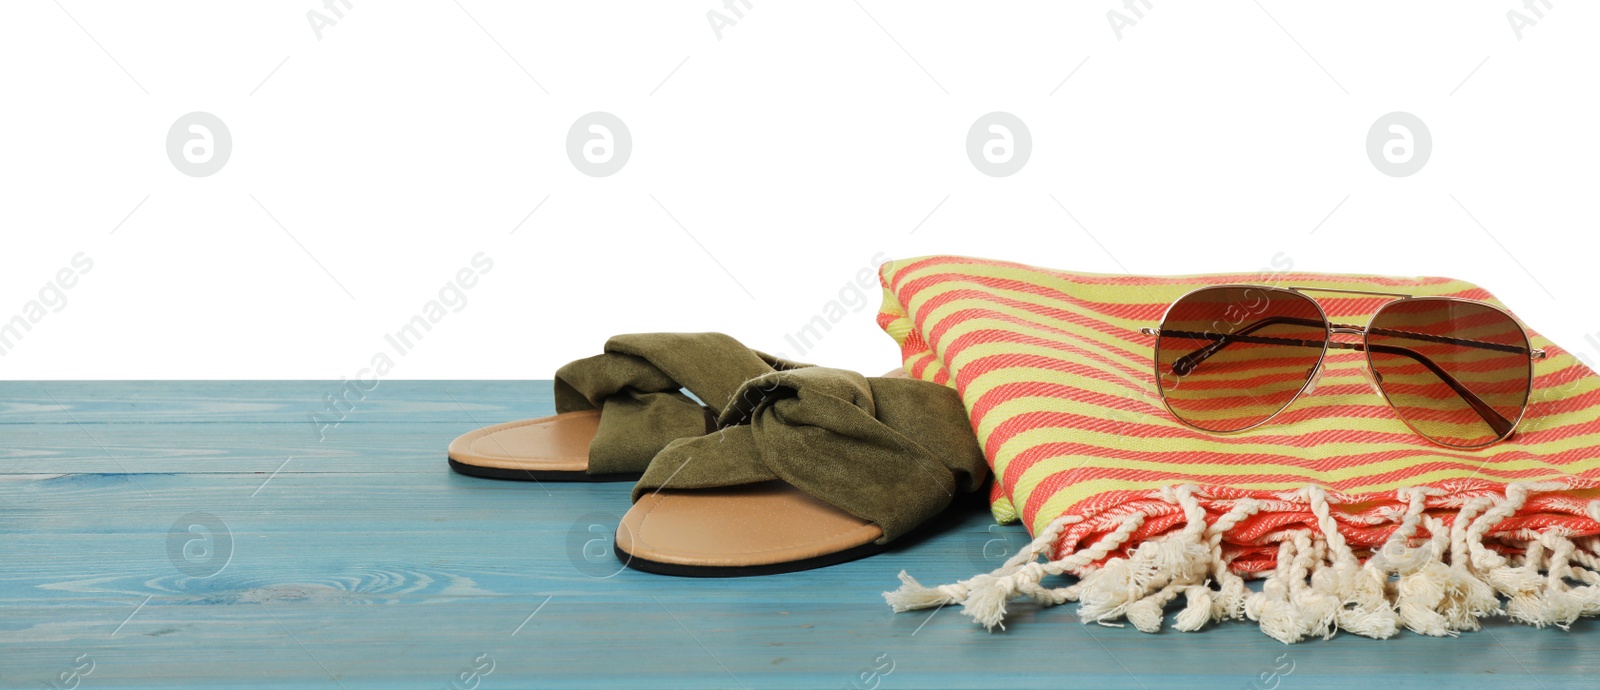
358 560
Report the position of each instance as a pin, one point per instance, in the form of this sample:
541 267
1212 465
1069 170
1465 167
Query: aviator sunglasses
1230 358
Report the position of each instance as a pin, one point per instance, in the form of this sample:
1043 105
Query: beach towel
1353 521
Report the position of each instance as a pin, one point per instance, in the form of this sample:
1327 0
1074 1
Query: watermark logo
320 21
340 403
990 548
199 144
51 300
1549 402
599 144
720 21
870 679
592 545
199 545
1397 557
1520 21
71 678
1120 21
999 144
854 295
471 677
1398 144
1273 677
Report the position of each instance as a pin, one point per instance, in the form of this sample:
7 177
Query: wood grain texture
363 562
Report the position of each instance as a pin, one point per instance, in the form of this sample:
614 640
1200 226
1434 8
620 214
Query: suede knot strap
892 451
636 384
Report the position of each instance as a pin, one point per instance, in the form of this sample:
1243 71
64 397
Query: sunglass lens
1458 372
1229 358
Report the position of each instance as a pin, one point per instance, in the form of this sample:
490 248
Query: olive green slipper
616 410
827 466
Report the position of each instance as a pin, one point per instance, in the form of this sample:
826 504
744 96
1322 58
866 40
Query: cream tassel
1271 607
1228 602
1140 586
984 597
1446 583
1199 609
1362 606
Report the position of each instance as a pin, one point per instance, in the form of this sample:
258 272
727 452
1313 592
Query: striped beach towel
1353 521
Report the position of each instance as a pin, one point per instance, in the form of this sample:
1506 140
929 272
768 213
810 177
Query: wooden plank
195 402
576 643
377 447
248 426
374 566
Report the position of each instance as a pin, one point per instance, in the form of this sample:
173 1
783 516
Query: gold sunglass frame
1329 329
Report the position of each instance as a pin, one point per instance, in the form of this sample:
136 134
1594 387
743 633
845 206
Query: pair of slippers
772 466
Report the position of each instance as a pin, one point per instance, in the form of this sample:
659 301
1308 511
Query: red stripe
953 351
1010 391
1060 480
1281 279
1068 421
907 292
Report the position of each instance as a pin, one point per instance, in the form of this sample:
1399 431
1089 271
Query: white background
811 136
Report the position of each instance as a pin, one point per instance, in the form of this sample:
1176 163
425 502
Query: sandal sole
538 475
703 571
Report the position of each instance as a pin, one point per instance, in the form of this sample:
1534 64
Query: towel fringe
1439 585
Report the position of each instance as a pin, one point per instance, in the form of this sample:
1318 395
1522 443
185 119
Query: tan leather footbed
753 525
741 526
556 444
